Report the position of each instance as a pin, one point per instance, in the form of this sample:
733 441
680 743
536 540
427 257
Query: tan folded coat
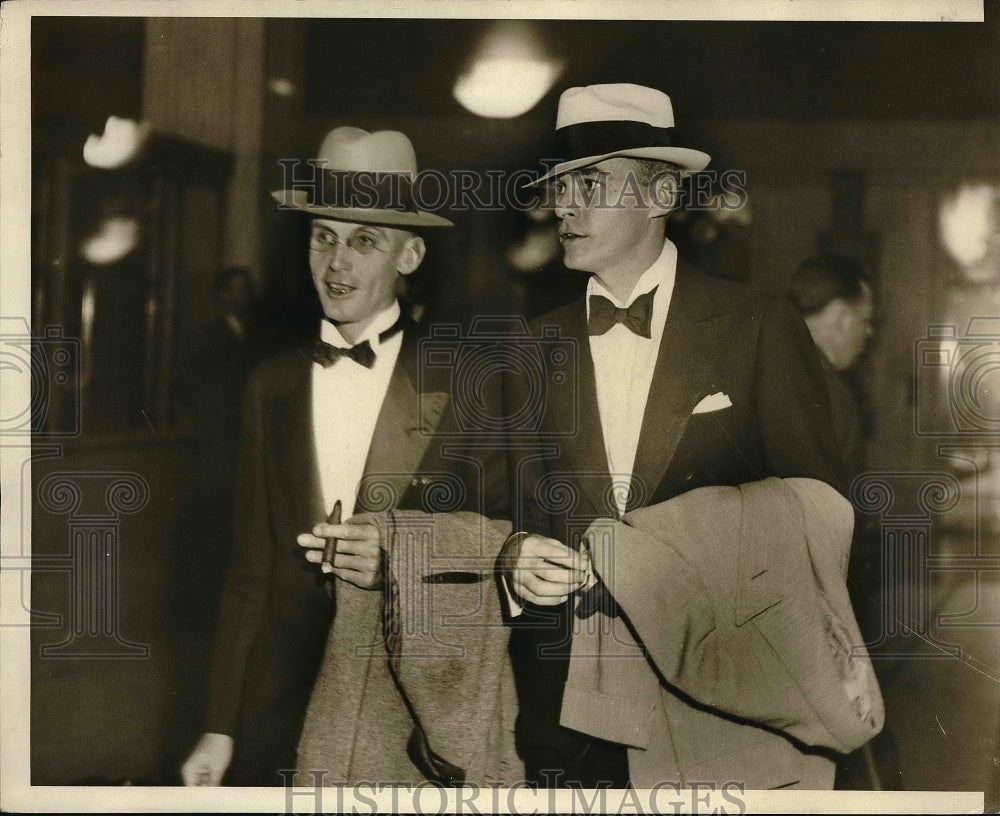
430 653
750 655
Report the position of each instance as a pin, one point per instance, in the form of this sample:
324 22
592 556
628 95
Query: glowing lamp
505 87
968 222
115 238
118 145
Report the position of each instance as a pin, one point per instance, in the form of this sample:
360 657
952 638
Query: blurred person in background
214 365
833 293
217 363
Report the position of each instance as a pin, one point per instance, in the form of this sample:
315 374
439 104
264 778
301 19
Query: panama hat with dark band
599 122
362 177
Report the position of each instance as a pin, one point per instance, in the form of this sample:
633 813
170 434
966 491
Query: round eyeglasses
362 242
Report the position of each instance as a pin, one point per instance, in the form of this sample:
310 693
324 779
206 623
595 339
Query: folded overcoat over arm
736 654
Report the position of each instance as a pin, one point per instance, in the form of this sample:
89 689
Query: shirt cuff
514 609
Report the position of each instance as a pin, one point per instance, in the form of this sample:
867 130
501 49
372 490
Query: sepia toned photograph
506 407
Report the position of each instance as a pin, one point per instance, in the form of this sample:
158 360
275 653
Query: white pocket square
713 402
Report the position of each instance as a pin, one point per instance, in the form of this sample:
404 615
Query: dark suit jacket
277 608
719 338
846 414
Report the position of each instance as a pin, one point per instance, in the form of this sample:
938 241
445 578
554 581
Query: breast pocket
720 446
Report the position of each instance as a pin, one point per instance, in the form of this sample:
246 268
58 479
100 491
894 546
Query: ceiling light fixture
509 75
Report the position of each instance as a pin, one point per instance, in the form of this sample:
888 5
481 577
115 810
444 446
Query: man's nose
565 204
340 257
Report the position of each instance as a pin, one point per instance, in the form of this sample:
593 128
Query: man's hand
208 761
359 555
542 570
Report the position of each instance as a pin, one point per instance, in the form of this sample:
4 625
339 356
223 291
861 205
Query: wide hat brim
299 200
617 120
686 158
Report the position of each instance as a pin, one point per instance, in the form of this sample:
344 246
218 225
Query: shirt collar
385 319
660 274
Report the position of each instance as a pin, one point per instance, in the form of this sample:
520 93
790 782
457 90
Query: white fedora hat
365 177
599 122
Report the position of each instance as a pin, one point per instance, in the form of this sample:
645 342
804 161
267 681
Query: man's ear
664 192
411 255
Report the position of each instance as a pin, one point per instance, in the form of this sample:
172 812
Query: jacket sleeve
792 402
244 595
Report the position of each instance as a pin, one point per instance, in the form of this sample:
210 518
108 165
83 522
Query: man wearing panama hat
349 422
685 382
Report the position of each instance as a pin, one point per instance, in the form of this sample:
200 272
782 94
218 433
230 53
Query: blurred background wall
852 138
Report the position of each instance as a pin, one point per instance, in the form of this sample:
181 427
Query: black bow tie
326 355
636 317
363 353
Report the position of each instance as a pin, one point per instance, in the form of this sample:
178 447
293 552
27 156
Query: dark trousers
555 756
263 751
601 765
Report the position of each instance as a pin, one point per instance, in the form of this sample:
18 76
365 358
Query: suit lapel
294 450
684 363
406 423
577 408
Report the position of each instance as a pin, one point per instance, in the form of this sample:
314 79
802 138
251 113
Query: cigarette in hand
330 550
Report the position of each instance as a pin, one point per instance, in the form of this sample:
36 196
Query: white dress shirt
623 368
623 371
347 398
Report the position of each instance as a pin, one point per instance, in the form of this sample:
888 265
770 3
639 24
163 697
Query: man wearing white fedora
349 423
639 657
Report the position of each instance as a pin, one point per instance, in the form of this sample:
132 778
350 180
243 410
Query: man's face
355 267
603 217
